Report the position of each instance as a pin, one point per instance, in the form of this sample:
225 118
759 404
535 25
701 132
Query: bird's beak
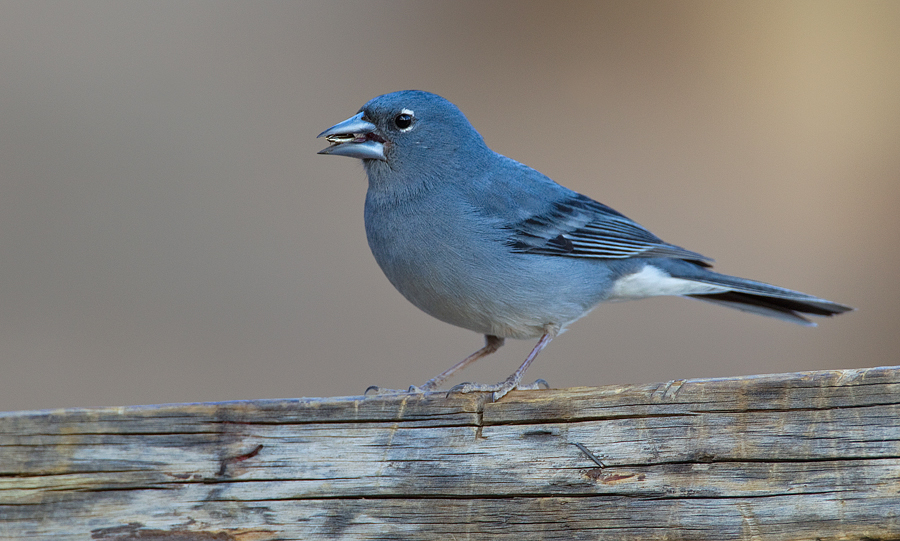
355 138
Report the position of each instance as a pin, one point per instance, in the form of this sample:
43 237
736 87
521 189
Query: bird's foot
375 390
498 390
538 384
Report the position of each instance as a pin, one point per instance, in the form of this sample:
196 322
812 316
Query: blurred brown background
168 233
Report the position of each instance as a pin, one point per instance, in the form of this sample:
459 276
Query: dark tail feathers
786 309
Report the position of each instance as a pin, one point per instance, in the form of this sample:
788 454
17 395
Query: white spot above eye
653 282
411 113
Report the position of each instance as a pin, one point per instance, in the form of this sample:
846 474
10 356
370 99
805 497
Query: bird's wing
578 226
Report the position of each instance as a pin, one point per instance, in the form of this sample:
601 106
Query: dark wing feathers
581 227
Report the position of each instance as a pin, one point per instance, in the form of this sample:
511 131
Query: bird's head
408 130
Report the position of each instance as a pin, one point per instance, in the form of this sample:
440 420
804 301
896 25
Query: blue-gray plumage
483 242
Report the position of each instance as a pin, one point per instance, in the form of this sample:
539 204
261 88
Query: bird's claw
538 384
497 390
375 390
463 388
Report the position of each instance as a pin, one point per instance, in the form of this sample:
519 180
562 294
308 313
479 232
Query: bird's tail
764 299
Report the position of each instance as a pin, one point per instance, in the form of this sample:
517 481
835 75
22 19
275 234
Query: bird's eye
403 120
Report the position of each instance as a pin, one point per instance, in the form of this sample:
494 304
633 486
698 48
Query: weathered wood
797 456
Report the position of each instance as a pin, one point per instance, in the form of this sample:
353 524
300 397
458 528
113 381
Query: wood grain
811 455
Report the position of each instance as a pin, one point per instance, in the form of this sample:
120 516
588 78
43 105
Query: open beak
355 138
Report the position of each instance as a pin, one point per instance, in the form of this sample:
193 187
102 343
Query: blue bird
486 243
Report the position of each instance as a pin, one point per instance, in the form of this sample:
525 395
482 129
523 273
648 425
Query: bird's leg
499 390
491 344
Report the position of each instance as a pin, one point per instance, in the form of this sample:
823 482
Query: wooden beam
811 455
